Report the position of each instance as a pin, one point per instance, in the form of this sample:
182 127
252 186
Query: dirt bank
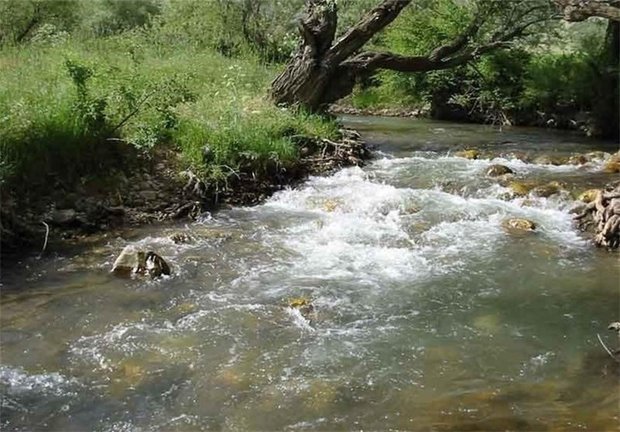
158 189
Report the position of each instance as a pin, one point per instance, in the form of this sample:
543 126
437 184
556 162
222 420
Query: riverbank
581 122
99 133
158 189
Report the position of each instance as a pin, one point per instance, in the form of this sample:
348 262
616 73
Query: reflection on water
429 315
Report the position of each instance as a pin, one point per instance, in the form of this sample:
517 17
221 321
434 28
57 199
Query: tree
606 115
325 69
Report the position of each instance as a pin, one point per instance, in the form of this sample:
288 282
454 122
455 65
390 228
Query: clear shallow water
429 315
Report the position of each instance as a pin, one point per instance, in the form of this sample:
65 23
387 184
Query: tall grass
79 107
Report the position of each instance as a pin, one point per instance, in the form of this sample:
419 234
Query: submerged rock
468 154
550 160
132 261
518 224
547 190
331 205
597 155
303 305
180 238
498 170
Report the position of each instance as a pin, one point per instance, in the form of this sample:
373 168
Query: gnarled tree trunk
606 107
324 70
316 75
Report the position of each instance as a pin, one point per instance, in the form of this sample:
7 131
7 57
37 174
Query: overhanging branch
374 21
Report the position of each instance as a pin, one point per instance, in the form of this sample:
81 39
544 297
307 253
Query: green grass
53 124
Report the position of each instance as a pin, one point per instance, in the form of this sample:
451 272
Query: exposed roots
604 214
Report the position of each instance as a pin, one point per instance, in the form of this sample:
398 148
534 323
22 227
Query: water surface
429 315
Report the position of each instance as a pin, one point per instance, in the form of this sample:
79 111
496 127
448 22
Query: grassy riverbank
102 127
82 107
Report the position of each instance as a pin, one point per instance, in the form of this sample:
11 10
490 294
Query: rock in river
546 190
303 305
180 238
520 189
468 154
550 160
612 165
589 195
518 224
132 261
498 170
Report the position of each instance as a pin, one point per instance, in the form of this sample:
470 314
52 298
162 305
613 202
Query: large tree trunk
324 70
316 75
606 109
305 77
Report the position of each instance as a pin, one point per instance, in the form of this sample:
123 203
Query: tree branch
460 41
454 53
374 21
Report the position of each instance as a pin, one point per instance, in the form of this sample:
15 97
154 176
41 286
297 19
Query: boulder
126 262
518 224
589 195
612 164
578 159
132 261
498 170
520 189
547 190
550 160
468 154
154 265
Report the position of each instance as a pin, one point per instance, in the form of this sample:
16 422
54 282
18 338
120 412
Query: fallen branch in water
607 349
47 233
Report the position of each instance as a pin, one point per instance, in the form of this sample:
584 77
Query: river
428 314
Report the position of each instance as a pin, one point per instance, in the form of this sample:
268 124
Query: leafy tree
325 67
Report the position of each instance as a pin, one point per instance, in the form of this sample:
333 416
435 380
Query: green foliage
553 71
426 25
108 17
73 109
20 20
556 81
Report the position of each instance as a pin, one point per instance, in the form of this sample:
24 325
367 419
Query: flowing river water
428 315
